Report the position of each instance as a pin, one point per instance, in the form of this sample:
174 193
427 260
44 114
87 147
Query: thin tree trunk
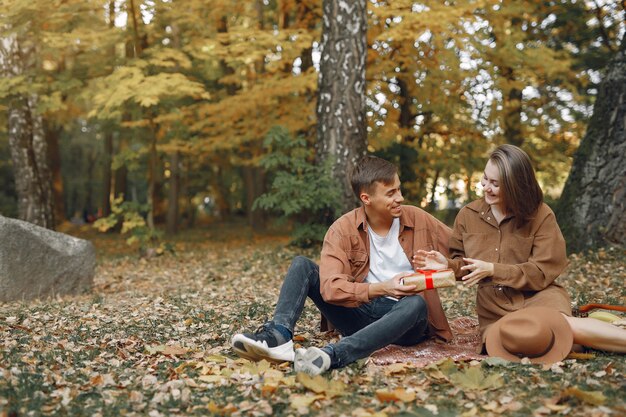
342 130
107 174
174 194
152 172
433 191
592 207
173 208
54 160
88 206
512 119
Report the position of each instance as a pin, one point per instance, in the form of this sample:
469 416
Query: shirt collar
405 219
484 211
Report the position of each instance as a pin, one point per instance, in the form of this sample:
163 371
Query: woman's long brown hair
521 193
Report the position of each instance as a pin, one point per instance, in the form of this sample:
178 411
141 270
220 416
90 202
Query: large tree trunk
342 127
29 153
592 206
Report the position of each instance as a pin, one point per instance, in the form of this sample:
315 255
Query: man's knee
301 262
414 306
302 268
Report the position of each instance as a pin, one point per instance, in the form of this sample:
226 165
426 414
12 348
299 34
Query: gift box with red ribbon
427 279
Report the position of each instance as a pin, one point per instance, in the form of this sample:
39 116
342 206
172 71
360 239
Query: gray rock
37 262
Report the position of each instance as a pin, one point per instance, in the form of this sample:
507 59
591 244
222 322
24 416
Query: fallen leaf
581 356
268 389
319 384
495 361
474 379
397 368
591 397
398 394
302 402
174 350
211 378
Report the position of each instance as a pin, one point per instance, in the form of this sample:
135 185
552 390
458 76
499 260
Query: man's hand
429 260
479 270
392 287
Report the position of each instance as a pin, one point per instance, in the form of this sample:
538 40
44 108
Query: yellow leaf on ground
96 380
303 401
581 356
474 379
268 389
211 378
591 397
319 384
215 358
398 394
396 368
175 350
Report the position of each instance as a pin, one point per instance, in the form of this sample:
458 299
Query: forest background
170 113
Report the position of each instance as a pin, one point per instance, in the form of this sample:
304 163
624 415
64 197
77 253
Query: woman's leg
597 334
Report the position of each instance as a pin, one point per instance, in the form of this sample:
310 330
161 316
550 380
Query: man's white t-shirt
387 259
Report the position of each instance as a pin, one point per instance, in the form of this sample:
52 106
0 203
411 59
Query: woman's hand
429 260
478 270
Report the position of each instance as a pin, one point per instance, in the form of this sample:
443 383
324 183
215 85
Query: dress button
496 249
488 218
482 212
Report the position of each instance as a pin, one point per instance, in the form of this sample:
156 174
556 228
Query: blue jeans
365 329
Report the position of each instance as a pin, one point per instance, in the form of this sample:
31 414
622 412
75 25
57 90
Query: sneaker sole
259 351
243 353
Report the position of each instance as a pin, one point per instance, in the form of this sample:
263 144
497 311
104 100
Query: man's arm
337 284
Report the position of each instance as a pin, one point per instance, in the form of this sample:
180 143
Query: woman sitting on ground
509 243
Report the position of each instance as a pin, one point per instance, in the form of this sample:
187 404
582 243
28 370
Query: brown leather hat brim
564 338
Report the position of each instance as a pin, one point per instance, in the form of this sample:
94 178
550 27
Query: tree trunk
152 174
29 157
88 207
54 159
29 153
107 174
254 185
512 111
592 206
342 129
174 194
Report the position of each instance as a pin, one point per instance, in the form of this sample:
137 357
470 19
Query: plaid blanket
463 347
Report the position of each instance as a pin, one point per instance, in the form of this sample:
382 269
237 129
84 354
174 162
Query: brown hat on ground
541 334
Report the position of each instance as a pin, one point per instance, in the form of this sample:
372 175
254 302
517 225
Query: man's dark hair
371 169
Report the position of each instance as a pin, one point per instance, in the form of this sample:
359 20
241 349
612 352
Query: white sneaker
312 361
266 343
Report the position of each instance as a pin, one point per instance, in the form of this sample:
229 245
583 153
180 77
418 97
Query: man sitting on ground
358 284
